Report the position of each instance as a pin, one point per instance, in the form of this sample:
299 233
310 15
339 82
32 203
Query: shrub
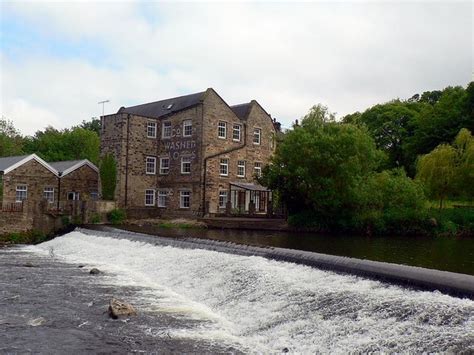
116 216
108 176
95 218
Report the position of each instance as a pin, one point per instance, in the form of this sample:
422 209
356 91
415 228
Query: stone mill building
190 155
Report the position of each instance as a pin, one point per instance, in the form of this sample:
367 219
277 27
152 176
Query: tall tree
11 141
108 176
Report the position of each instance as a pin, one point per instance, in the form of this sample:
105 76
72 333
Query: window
187 128
236 132
149 197
258 169
151 165
185 199
257 132
222 199
162 197
151 129
73 196
164 166
241 168
224 167
48 194
272 141
94 195
185 165
166 129
222 130
21 193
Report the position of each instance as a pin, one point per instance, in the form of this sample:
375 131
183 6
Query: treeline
375 172
51 144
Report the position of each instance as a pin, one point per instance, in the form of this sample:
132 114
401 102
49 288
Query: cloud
287 56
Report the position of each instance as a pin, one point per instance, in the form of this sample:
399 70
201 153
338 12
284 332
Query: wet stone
94 271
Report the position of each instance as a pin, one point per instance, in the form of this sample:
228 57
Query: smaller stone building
29 177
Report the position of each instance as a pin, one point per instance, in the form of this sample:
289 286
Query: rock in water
36 322
94 271
119 308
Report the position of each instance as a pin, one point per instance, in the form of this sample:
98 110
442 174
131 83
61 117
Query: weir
456 284
254 303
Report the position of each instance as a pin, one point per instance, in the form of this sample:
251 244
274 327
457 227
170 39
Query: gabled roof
165 107
67 166
242 110
8 164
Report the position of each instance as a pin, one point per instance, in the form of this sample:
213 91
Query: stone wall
204 142
32 174
83 180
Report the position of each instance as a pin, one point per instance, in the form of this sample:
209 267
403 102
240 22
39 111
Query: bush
95 218
116 216
30 237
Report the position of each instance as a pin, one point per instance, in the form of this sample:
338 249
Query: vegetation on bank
372 173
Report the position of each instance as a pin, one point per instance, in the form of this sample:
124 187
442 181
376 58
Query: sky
58 59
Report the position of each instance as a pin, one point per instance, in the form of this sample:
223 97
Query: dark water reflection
442 253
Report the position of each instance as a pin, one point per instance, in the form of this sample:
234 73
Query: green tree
391 126
437 171
68 144
319 164
92 125
464 144
108 176
11 141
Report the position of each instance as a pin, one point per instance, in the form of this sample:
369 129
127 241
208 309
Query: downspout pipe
243 145
126 160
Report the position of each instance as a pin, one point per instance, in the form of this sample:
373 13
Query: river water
251 304
440 253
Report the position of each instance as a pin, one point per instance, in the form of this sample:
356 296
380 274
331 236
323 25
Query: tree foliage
410 128
448 171
11 142
68 144
108 176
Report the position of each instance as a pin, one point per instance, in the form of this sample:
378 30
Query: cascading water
255 304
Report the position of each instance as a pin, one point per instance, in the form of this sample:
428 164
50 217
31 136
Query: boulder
94 271
119 308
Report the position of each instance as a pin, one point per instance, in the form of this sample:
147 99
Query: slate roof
61 166
242 110
7 162
160 108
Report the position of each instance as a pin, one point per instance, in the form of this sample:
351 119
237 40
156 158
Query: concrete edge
459 285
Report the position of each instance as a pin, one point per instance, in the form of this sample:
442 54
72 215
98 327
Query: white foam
266 306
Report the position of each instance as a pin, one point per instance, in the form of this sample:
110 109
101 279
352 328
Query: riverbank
49 306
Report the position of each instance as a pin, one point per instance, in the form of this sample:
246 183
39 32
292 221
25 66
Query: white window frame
240 166
223 198
258 168
222 125
75 196
224 162
236 128
182 195
151 126
185 160
166 129
21 190
148 194
165 170
257 132
152 162
48 194
187 124
162 198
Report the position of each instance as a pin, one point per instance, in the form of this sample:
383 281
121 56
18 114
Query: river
441 253
249 303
